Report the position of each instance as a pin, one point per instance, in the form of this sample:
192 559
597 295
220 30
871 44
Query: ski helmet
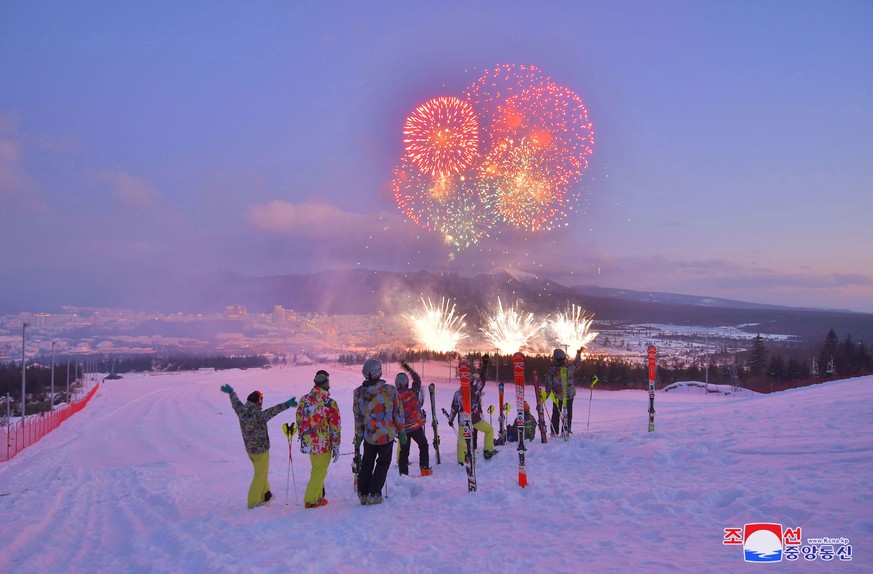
255 397
559 355
401 380
372 370
322 379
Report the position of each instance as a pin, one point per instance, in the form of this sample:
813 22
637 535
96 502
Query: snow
152 477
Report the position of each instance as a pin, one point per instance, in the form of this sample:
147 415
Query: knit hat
255 397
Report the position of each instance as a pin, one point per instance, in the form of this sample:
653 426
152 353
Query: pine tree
758 356
828 350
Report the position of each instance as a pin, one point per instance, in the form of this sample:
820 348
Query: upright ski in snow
356 464
431 388
565 430
541 411
466 399
501 418
518 371
653 367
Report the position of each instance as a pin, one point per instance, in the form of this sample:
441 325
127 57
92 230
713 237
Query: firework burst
437 327
521 188
535 138
509 329
441 136
457 206
571 328
495 86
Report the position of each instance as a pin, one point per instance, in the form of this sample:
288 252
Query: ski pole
289 433
451 426
590 396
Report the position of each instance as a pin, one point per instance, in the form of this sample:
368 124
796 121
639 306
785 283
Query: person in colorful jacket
412 400
555 385
318 422
253 424
477 385
530 426
378 420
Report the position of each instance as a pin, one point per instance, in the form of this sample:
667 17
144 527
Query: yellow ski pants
260 485
483 427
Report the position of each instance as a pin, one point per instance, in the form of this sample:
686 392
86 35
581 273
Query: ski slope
152 477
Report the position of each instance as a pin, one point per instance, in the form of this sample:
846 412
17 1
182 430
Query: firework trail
571 328
437 327
509 329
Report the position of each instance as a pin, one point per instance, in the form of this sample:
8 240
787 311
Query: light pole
68 380
23 342
706 357
52 396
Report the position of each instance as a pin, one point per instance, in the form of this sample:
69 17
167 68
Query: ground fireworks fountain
571 328
509 329
437 327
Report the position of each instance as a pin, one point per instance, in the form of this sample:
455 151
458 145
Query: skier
476 387
555 385
253 424
378 419
413 405
530 426
318 420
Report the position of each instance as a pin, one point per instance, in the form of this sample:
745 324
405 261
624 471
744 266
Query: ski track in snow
152 477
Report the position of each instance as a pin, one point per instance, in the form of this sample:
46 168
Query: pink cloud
129 190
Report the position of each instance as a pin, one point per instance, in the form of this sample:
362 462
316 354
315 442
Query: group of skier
383 413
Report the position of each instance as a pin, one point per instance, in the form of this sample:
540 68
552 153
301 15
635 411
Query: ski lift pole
590 397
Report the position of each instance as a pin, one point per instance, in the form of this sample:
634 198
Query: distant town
107 332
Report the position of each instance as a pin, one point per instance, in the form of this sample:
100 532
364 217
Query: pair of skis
433 421
652 353
467 420
518 372
501 418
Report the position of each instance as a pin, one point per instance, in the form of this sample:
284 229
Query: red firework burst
539 138
496 86
441 136
553 122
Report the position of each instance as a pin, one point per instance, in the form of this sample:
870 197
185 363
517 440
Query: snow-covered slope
152 477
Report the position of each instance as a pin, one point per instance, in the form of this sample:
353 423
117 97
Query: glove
452 423
335 454
358 440
403 438
227 389
292 402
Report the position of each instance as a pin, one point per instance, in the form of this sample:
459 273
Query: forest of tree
758 369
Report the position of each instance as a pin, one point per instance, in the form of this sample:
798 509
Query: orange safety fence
21 434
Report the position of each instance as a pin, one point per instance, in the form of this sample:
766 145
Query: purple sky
733 153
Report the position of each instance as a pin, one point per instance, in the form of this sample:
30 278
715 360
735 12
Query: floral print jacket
378 412
318 422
